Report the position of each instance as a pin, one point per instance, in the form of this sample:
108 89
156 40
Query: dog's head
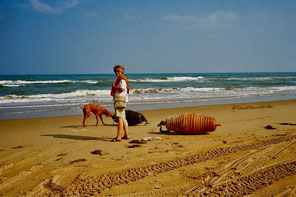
114 118
144 119
107 113
161 123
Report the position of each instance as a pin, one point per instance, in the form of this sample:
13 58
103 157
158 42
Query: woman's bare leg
125 127
119 127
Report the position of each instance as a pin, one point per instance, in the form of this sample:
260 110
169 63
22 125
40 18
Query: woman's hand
116 88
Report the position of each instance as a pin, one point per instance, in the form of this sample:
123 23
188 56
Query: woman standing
120 91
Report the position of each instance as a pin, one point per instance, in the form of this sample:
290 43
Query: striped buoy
190 123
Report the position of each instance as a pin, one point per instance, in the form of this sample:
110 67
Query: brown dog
95 109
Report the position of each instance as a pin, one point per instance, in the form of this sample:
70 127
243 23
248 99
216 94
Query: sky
147 36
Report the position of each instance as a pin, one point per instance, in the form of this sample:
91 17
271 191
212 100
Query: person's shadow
81 126
76 137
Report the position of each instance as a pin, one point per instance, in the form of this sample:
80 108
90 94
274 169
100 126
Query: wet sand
252 153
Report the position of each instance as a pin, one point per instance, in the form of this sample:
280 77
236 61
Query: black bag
133 118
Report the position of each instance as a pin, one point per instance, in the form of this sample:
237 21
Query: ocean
25 96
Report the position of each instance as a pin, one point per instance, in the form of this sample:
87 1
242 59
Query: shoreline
54 155
144 106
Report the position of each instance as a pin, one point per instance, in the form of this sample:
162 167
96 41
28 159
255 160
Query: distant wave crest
63 97
18 83
261 78
167 79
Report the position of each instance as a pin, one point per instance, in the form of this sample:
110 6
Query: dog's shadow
76 137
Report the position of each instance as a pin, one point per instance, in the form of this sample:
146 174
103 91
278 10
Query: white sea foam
90 81
146 94
2 82
64 97
260 78
196 93
12 86
168 79
32 82
173 90
185 78
42 105
17 83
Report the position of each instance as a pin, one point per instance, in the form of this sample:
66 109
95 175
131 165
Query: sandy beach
58 156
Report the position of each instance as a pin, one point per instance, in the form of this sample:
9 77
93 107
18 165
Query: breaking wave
167 79
146 94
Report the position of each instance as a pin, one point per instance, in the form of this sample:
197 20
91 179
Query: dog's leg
102 119
86 116
97 119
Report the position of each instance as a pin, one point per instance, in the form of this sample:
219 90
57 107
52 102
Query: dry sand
52 156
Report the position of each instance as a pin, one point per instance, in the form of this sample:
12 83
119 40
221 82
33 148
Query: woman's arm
121 87
117 88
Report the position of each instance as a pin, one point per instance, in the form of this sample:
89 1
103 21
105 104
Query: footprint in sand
17 147
77 160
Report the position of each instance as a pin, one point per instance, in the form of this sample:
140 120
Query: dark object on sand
286 123
133 118
189 123
269 127
17 147
134 146
62 154
138 142
97 152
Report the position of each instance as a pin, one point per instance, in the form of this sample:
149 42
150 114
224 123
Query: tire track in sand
248 184
243 166
94 185
248 163
239 167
